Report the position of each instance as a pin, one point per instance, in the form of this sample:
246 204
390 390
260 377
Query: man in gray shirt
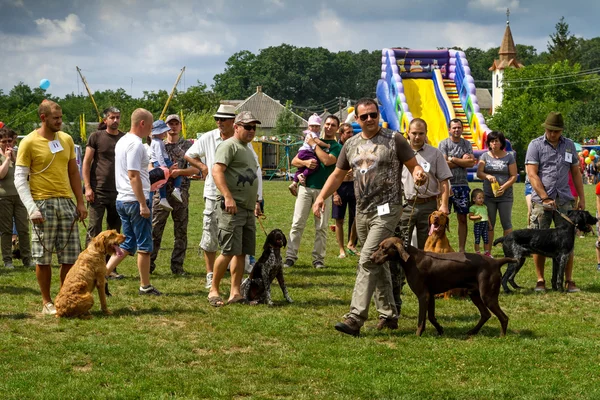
458 153
548 162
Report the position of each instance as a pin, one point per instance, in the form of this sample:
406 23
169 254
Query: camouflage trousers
180 223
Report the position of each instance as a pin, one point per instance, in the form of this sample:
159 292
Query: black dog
257 287
557 243
431 273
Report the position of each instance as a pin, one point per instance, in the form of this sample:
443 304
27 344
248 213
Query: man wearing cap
176 146
234 174
308 194
204 149
548 162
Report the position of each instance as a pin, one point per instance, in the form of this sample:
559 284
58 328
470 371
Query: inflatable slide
435 85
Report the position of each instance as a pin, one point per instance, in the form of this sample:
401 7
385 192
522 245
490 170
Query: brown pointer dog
431 273
75 296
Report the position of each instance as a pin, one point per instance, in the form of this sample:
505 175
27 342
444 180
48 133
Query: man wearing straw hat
548 162
202 156
176 146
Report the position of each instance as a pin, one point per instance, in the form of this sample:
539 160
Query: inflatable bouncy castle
435 85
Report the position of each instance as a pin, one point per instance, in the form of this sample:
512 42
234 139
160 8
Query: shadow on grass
305 285
148 311
454 332
321 302
16 316
18 290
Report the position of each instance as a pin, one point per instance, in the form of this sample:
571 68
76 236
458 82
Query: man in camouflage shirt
176 147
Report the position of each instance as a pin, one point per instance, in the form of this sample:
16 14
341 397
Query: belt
421 200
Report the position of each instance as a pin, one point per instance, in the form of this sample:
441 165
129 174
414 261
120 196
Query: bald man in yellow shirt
47 177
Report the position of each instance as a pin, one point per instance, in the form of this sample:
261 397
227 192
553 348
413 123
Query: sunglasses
364 117
248 127
218 119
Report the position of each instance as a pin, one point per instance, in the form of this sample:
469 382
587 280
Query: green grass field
177 346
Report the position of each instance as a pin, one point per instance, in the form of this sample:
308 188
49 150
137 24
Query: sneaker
177 194
293 189
349 327
387 323
164 204
288 263
319 265
598 267
149 290
49 309
27 263
179 272
208 280
571 288
540 286
9 265
487 253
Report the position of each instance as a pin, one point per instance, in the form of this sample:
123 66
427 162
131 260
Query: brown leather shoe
571 288
349 327
540 286
387 323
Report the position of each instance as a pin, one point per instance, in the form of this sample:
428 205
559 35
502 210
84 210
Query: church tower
508 59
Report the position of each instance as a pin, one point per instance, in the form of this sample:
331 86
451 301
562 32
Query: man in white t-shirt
133 198
204 149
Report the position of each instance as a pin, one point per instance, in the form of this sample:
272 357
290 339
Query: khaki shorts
210 229
542 218
58 232
237 232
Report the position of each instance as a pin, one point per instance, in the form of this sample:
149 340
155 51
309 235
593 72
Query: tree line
307 80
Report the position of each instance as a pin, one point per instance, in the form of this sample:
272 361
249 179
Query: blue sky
116 43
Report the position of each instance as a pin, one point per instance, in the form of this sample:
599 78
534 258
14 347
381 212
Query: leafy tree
236 81
563 45
286 123
198 122
590 53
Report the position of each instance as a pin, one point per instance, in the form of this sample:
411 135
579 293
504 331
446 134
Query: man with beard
98 172
46 178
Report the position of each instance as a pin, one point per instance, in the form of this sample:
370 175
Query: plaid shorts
57 232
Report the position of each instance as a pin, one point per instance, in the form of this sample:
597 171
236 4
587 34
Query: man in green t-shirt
308 194
235 175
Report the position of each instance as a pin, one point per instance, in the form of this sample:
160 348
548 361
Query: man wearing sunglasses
202 156
235 175
176 147
376 157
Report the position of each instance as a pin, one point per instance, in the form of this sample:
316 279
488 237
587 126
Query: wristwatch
450 159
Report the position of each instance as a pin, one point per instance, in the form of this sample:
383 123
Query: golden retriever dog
75 296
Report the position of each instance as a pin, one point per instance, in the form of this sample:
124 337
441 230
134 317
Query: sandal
352 252
238 299
216 301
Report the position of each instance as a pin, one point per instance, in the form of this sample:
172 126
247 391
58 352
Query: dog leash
260 218
564 216
37 233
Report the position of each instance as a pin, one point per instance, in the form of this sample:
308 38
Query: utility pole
340 106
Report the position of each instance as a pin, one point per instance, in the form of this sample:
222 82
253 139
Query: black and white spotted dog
257 287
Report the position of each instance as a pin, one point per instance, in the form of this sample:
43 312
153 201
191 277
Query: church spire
508 50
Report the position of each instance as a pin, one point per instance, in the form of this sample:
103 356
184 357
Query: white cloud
494 5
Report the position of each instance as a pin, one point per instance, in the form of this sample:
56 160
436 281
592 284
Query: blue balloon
44 84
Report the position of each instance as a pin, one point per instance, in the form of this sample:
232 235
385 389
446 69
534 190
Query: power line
561 76
553 84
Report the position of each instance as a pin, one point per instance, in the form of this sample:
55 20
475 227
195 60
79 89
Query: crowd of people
380 180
